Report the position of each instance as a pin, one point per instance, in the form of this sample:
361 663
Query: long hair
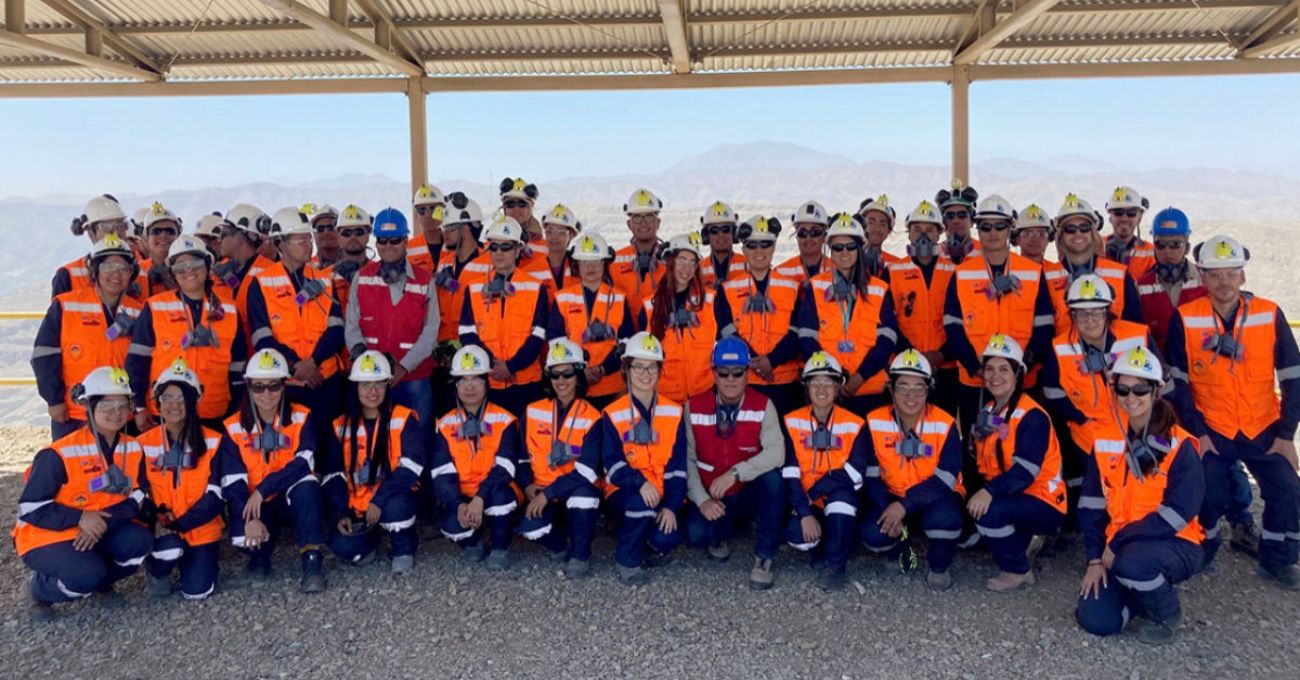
858 277
666 292
353 420
580 392
192 430
248 411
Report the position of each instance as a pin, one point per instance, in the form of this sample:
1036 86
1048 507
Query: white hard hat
1006 347
502 228
1033 216
137 218
103 208
111 245
643 345
353 216
925 212
289 221
590 247
843 224
1074 205
249 218
159 213
643 202
178 372
822 363
1139 362
188 245
1089 292
911 362
467 213
371 366
1126 197
428 194
689 242
811 212
759 228
562 216
209 225
469 361
519 188
1221 252
881 205
313 211
105 381
718 213
564 351
266 364
995 207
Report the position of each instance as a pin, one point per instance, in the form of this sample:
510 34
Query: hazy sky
84 146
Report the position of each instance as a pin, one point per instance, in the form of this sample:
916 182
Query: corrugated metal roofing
220 40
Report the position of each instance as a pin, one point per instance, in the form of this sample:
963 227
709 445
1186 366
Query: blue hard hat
390 223
730 351
1170 222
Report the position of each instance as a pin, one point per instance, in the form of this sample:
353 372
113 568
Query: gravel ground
696 618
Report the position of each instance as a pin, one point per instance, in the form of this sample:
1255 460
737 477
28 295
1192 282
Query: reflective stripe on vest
297 327
648 459
762 331
1088 391
84 340
850 342
170 316
716 455
688 368
607 307
918 306
360 495
541 433
262 464
1128 499
1233 395
505 324
900 473
179 494
814 464
1048 486
1011 314
473 459
394 328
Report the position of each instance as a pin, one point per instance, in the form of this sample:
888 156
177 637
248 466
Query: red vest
716 455
394 328
1157 307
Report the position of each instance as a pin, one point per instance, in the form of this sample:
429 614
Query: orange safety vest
504 324
688 353
648 459
1233 395
793 268
78 274
1088 391
983 317
360 495
735 266
262 464
170 315
417 252
179 493
996 453
919 307
542 434
83 336
82 463
1141 259
1058 284
474 459
607 308
1110 271
241 297
1129 499
451 302
849 340
762 330
297 327
813 463
900 473
622 271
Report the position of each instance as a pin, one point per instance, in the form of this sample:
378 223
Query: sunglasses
565 374
297 241
841 247
719 229
986 227
810 233
114 268
729 373
1170 245
1077 229
352 233
957 215
391 241
514 204
1135 390
424 209
1125 212
501 247
227 232
164 231
758 245
263 388
188 267
323 228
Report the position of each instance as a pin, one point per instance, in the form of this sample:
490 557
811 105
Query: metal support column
415 99
961 122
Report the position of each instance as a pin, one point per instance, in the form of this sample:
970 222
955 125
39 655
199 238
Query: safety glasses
956 215
1140 390
352 233
758 245
322 228
841 247
719 229
562 374
1162 244
644 218
810 233
114 406
1125 212
181 268
424 209
1077 229
391 241
501 247
514 203
729 373
164 231
113 268
986 227
227 232
264 387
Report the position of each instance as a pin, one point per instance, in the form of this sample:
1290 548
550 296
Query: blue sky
83 146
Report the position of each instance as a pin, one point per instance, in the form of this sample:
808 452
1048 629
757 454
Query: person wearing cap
324 221
957 205
459 264
918 285
277 450
825 460
1141 492
877 218
682 316
641 445
718 227
196 323
1228 353
809 222
505 313
161 227
761 307
849 314
371 467
1078 231
560 226
208 230
354 227
913 470
183 476
80 497
101 216
393 309
473 459
637 267
83 330
1019 458
429 208
1125 245
593 313
559 486
292 309
735 448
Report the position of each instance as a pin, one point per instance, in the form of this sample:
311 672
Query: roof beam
379 16
673 14
341 34
92 25
1024 14
16 16
1265 38
99 63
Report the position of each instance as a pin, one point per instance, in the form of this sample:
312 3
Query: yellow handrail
21 316
17 382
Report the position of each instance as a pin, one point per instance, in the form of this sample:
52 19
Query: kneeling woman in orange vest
475 448
680 316
641 441
825 461
560 487
1141 493
185 485
913 459
373 465
1023 497
277 445
75 525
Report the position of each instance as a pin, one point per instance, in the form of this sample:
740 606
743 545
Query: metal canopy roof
100 47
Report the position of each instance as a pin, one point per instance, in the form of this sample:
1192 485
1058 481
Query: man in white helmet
102 215
918 286
559 225
957 205
208 230
458 264
161 227
1228 353
354 227
637 267
518 197
324 219
242 231
810 224
1078 233
877 217
718 229
429 207
1125 245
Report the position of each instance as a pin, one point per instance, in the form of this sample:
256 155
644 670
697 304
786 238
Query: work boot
1287 578
657 560
1006 581
157 586
402 564
719 552
632 576
831 580
1035 547
259 566
109 598
761 576
498 560
366 560
473 553
560 556
938 582
1159 632
37 611
313 572
577 569
1245 539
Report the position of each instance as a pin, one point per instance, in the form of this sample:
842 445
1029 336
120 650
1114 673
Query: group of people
513 374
